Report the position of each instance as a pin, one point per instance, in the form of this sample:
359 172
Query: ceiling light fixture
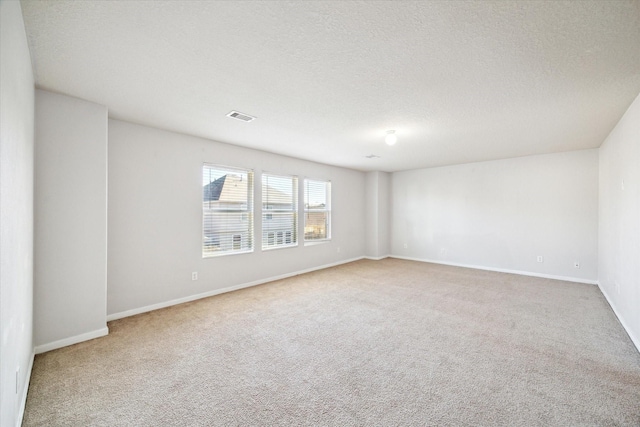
391 137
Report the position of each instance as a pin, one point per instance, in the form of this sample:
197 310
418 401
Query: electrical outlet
576 264
194 275
617 287
17 379
540 258
338 249
406 246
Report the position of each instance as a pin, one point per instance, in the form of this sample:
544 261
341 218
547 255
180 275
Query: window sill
276 247
226 254
316 242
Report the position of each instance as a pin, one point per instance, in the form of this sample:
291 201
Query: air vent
240 116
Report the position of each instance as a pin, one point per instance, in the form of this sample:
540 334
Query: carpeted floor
370 343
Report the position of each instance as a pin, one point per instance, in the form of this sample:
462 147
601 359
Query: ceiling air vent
240 116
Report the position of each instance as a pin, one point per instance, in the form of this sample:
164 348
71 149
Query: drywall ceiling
458 81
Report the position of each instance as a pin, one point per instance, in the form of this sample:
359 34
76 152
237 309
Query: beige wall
377 218
155 219
619 231
16 213
502 214
70 220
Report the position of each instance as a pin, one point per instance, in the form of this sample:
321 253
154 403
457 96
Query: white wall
70 220
502 214
155 219
619 231
16 213
377 214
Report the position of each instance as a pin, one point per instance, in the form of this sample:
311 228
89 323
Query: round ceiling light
391 137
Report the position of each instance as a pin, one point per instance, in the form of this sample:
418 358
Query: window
317 210
227 210
279 211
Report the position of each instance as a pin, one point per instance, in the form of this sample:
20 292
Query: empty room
320 213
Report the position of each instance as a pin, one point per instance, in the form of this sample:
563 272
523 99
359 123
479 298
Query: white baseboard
377 258
502 270
25 390
634 339
72 340
133 312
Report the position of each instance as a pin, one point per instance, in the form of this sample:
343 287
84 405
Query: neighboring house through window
279 211
227 210
317 210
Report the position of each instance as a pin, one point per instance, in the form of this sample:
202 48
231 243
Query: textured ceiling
458 81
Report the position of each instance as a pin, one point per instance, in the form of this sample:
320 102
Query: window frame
273 238
326 209
245 213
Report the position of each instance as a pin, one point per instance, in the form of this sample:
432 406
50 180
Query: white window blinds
227 210
279 211
317 210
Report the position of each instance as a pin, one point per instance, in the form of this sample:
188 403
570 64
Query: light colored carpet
370 343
